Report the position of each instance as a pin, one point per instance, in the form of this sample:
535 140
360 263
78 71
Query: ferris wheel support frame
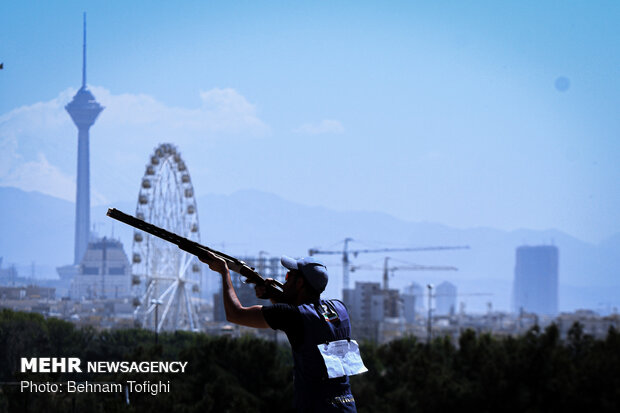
163 274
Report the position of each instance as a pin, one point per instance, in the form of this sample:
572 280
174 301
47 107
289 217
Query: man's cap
313 270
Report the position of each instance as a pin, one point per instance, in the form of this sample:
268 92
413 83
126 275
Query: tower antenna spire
84 55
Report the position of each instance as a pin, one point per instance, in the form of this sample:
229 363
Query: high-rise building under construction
535 288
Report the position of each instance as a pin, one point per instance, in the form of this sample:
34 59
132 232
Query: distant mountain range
36 228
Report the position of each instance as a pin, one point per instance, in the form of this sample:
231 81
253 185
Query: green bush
536 372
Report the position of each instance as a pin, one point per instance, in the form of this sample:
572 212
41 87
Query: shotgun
273 287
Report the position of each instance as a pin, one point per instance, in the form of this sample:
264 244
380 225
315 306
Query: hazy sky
466 113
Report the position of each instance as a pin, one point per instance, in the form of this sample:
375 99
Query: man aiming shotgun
319 331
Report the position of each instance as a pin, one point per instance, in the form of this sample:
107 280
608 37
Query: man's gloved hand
261 290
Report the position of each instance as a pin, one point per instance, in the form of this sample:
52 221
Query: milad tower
84 110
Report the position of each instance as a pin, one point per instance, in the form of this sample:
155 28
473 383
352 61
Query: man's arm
235 312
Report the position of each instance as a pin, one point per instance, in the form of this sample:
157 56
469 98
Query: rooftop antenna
84 56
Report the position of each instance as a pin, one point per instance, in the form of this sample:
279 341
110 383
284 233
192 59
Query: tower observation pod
83 110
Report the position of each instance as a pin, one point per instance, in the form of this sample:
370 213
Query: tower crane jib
345 254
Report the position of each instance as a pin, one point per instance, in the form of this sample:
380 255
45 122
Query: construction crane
345 255
387 270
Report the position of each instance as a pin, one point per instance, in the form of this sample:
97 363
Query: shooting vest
324 321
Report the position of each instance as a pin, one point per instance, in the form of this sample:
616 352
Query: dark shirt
307 326
287 318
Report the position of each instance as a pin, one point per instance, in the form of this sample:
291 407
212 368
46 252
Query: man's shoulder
280 310
281 316
336 302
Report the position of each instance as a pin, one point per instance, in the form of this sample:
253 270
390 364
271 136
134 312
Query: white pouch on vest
342 358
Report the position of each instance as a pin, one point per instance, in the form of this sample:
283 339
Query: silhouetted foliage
536 372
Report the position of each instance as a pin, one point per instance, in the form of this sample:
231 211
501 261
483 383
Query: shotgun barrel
273 287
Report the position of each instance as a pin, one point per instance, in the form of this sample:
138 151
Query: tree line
535 372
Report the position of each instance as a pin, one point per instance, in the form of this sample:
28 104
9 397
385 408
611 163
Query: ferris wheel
165 279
